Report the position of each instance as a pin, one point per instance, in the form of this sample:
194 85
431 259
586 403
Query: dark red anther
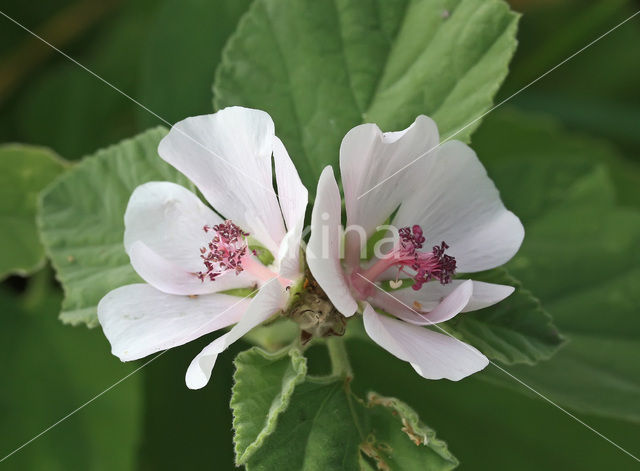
436 265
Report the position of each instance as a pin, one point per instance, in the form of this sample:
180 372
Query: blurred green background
163 54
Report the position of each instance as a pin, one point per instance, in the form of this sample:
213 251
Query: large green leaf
284 421
50 370
512 143
322 67
81 218
579 256
517 330
593 294
492 427
316 432
183 48
24 171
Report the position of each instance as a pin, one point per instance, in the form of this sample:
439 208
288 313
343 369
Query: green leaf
593 294
263 387
512 143
285 420
24 171
580 258
516 330
184 46
321 67
391 422
49 371
491 427
316 432
81 218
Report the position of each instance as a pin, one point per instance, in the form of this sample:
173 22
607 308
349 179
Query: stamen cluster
428 266
224 252
436 265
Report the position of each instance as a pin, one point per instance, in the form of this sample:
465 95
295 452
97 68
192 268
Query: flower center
434 265
426 266
226 250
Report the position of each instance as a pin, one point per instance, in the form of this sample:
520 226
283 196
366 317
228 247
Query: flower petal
169 219
367 158
442 310
139 320
323 250
432 355
293 198
269 300
228 156
457 202
170 278
432 294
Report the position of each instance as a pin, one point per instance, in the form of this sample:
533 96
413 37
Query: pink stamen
228 251
224 252
434 265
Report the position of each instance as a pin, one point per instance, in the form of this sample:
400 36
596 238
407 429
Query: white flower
188 254
444 196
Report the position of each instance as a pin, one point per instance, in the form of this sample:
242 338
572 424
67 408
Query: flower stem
339 357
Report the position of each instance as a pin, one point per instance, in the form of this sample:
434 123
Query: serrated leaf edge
525 358
281 402
415 430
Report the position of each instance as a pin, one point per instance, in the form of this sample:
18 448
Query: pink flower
189 255
451 220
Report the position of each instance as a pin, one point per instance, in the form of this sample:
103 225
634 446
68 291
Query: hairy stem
339 357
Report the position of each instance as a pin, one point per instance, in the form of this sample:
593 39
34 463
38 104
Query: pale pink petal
228 156
432 355
367 158
293 198
457 202
433 293
169 219
323 250
418 314
485 294
270 299
173 279
139 320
